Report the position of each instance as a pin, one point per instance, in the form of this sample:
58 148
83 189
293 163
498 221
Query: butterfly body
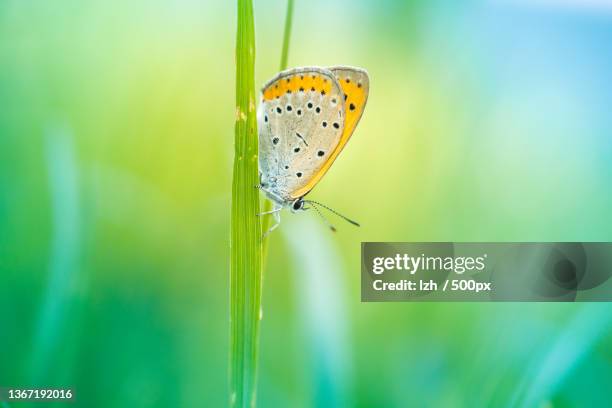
305 118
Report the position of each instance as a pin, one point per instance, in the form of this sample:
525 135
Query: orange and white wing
301 122
355 84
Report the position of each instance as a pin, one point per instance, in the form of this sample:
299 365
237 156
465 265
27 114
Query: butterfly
305 118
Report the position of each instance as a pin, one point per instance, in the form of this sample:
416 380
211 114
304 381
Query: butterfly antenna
355 223
325 220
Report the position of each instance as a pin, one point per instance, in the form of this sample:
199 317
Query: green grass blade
245 253
287 35
246 249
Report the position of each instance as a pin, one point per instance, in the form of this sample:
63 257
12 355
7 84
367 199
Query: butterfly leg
260 185
276 214
274 211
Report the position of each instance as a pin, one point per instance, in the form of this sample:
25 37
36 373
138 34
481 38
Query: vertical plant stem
283 65
245 240
287 35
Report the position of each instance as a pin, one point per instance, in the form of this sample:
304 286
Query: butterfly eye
298 204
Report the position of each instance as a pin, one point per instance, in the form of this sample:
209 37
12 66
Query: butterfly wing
301 121
355 85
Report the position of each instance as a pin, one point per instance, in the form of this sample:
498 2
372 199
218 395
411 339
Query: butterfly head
298 205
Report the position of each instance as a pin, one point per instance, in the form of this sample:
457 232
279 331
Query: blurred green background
487 121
